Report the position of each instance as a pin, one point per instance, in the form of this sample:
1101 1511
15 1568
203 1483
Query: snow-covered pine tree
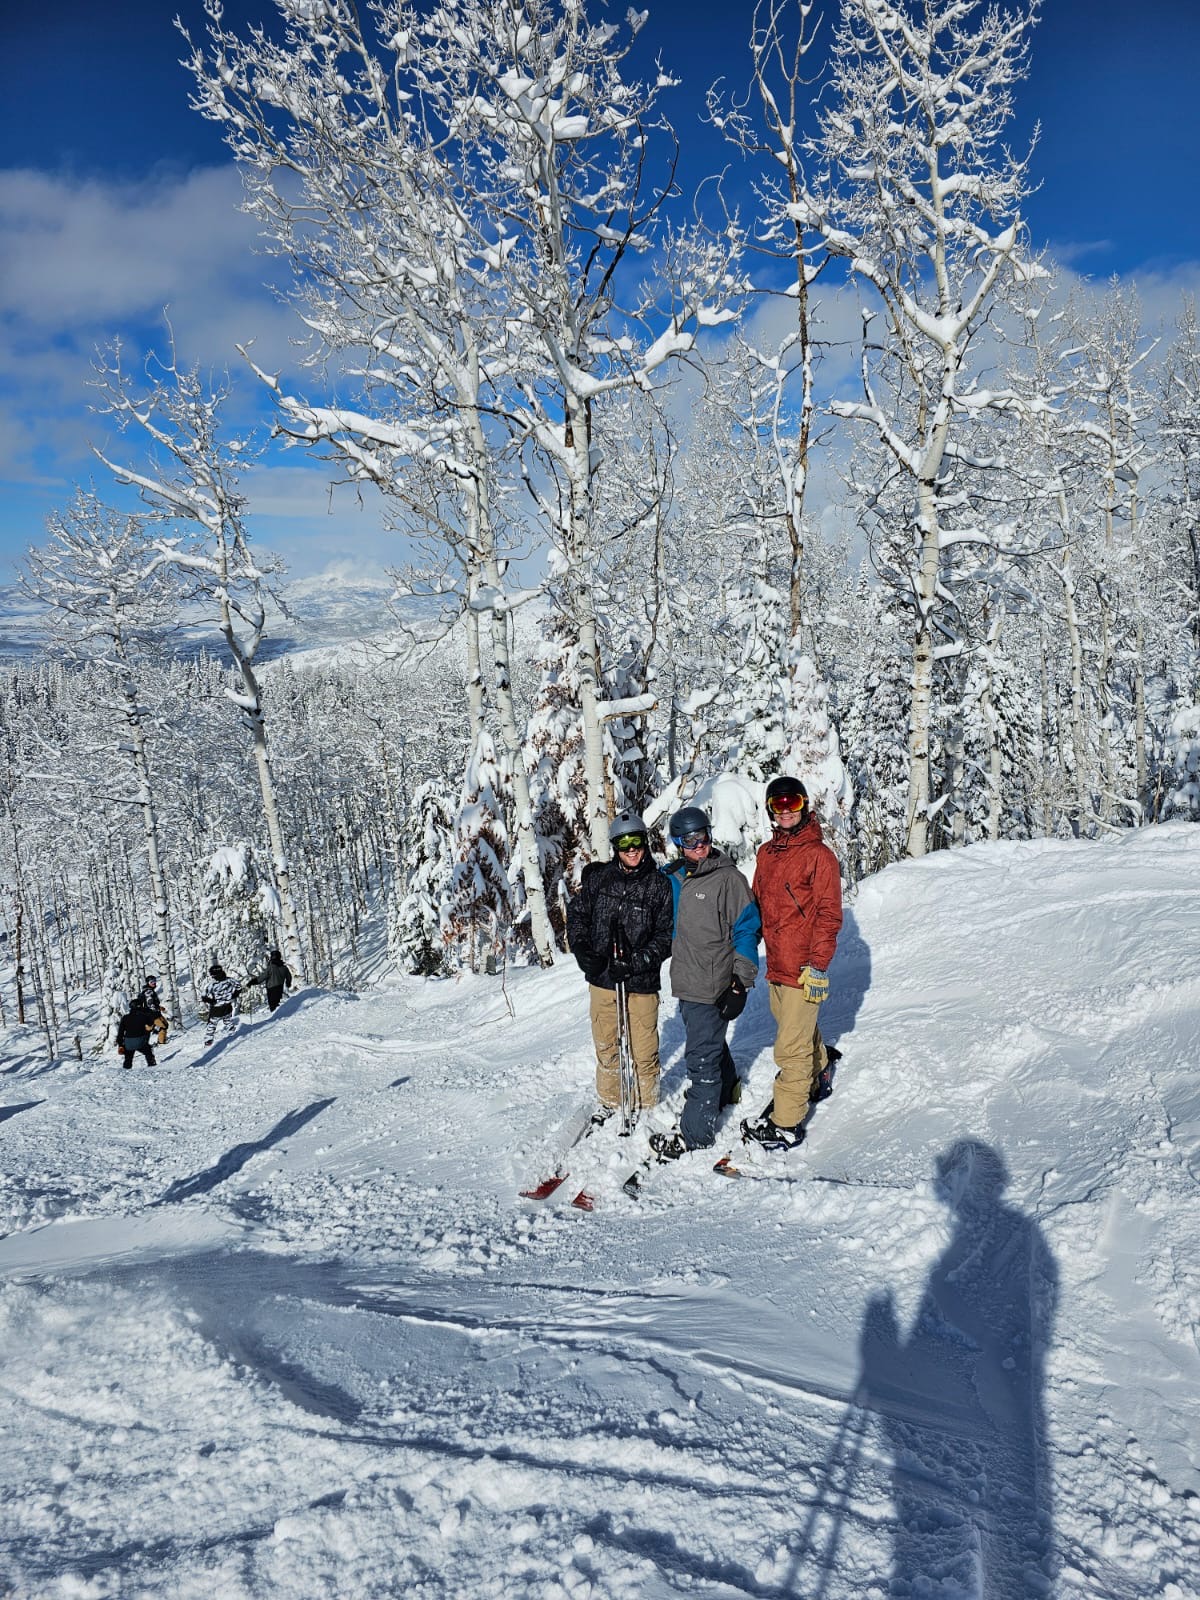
554 756
477 914
415 941
634 773
236 911
811 746
756 719
874 724
1180 776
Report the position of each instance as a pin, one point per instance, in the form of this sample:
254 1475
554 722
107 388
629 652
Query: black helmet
216 970
150 980
786 794
276 955
688 821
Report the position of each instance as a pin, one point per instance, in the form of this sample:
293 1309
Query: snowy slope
274 1323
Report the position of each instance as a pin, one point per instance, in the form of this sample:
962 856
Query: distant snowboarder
276 976
220 996
133 1034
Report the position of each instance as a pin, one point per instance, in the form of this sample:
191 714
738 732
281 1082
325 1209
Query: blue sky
116 200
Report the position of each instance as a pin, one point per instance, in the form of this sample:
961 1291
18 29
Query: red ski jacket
798 886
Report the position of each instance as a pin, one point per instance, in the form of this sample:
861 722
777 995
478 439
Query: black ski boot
668 1146
770 1135
823 1087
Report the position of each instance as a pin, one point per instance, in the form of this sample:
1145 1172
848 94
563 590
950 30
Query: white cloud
83 262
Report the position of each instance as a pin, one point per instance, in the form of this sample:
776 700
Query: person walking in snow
714 962
276 975
798 887
133 1033
619 931
220 996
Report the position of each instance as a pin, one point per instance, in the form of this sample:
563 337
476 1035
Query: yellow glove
814 985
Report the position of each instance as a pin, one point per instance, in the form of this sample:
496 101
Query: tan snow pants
643 1040
799 1053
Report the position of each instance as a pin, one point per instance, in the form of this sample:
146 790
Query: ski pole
628 1076
624 1048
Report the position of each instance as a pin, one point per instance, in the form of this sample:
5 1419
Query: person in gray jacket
276 976
714 962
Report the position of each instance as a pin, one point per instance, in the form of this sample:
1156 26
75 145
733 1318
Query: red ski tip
726 1168
546 1187
584 1201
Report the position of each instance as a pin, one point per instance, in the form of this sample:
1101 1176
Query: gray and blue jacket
717 928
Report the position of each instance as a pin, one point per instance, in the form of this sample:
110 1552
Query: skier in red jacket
798 886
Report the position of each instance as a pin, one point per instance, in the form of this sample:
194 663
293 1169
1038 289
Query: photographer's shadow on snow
959 1397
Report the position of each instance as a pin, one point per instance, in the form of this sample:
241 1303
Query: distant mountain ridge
331 608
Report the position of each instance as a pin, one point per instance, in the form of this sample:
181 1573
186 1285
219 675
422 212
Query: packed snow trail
274 1322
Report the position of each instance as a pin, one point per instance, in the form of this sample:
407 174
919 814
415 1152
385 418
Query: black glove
619 969
733 1002
592 966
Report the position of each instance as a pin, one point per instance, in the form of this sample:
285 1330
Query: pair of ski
585 1200
585 1123
580 1128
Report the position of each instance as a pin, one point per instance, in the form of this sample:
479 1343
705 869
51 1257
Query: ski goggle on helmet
631 841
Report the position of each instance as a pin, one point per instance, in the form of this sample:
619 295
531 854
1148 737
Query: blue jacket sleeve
746 932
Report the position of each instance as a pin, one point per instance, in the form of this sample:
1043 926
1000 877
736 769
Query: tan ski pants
799 1053
643 1040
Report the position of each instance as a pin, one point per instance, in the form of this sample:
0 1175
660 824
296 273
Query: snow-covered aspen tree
916 191
765 127
341 130
111 605
1179 432
193 480
1107 350
557 141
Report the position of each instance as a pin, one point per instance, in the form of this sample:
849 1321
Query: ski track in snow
273 1321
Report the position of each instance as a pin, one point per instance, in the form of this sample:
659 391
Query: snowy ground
273 1321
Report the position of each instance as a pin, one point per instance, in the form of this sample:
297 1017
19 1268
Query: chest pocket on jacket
804 884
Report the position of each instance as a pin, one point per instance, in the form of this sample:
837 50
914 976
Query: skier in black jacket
277 976
624 902
133 1034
